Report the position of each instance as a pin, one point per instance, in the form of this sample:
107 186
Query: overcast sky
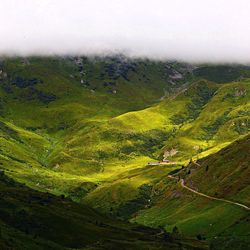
191 30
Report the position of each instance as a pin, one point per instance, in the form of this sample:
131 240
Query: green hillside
86 128
33 220
225 172
52 108
211 128
223 175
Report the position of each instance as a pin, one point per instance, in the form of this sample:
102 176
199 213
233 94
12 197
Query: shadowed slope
33 220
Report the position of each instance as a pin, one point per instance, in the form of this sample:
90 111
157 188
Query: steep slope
224 174
87 128
79 138
222 73
46 102
192 122
212 117
222 119
77 89
33 220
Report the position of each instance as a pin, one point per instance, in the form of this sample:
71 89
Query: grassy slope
226 176
33 220
195 137
37 118
223 174
86 141
79 139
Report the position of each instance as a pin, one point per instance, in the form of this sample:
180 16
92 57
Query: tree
175 230
200 237
175 233
166 235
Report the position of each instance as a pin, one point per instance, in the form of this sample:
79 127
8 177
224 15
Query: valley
78 133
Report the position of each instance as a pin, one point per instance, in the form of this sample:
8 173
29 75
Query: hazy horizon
192 31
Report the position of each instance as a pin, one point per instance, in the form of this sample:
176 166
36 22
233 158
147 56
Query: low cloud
194 30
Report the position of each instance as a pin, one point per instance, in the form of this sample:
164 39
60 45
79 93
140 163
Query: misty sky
191 30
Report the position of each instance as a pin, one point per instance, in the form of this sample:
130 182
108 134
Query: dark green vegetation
86 129
232 182
222 175
222 73
34 220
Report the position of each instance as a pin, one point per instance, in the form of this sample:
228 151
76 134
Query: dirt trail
207 196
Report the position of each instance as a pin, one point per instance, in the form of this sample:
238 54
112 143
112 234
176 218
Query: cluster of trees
176 234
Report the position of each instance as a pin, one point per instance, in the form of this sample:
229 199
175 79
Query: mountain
50 106
86 128
221 175
212 116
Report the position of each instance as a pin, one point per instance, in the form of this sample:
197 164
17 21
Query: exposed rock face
170 153
240 92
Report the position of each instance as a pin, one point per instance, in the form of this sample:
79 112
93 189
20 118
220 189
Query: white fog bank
189 30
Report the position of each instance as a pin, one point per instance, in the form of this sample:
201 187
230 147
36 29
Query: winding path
207 196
